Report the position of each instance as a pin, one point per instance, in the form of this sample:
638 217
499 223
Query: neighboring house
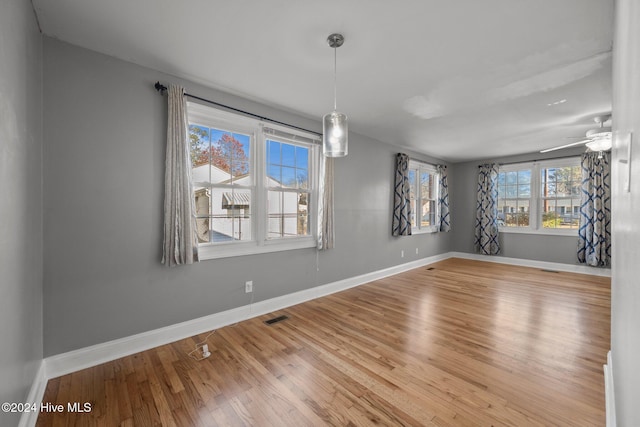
224 213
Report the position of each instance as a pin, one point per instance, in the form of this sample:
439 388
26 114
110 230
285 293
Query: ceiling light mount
335 40
602 119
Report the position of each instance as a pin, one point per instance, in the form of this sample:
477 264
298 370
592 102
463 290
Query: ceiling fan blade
565 146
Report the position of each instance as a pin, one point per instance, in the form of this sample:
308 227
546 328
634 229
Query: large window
254 184
423 179
540 196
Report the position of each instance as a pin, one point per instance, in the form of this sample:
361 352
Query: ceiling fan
598 139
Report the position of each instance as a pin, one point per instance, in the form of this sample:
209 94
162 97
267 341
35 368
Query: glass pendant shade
335 130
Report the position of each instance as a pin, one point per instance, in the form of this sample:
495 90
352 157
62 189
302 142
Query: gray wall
625 287
20 202
463 184
104 127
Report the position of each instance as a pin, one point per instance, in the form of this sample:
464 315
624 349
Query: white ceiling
458 79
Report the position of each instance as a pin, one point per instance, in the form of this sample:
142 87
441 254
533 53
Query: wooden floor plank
459 343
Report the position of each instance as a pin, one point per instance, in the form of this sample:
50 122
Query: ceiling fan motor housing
603 132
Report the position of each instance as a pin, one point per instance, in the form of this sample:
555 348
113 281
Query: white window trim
535 225
314 164
415 164
213 117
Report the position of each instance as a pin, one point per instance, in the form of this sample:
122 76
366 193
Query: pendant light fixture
335 128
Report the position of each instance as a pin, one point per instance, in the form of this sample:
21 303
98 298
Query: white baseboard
569 268
76 360
610 402
36 393
65 363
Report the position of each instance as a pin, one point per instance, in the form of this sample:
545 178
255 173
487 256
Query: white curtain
325 204
443 199
180 242
594 234
486 230
401 220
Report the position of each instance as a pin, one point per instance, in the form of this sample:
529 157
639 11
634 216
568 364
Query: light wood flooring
458 343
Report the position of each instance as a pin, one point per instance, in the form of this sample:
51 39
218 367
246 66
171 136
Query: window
560 196
423 181
514 197
288 187
222 180
254 184
540 197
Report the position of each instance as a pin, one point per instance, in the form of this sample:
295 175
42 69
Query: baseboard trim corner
36 394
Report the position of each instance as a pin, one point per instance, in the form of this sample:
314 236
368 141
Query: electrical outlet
248 287
416 251
402 254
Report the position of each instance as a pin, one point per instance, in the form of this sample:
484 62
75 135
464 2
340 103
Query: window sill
430 230
207 251
544 232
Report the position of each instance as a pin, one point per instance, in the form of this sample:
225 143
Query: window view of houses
423 191
224 187
288 189
561 197
514 198
423 198
558 197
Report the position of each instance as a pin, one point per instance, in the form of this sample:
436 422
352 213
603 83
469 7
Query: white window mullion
260 217
535 201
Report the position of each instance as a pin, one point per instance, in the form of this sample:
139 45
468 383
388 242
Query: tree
227 153
199 145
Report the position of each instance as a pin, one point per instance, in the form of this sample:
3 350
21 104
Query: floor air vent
549 271
276 320
431 268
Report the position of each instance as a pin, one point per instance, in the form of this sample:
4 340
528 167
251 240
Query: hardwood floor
466 343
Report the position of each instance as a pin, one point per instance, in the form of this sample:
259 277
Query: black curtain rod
533 161
162 88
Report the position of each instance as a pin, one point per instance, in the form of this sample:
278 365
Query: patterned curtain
401 221
326 232
487 211
180 241
443 199
594 234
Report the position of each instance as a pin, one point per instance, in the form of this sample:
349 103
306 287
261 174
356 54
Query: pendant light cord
335 67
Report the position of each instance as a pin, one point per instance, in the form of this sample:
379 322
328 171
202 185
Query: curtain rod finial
160 87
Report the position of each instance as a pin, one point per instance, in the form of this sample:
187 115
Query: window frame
518 167
419 167
260 132
535 200
274 133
